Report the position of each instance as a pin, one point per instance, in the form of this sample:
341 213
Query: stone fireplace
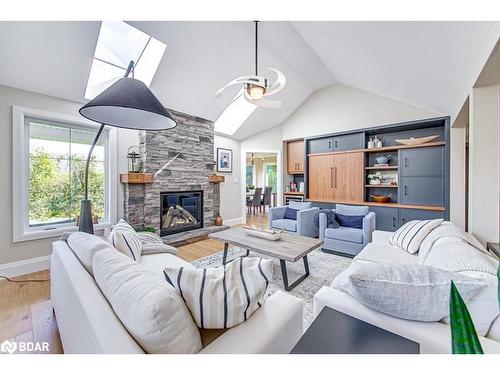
182 160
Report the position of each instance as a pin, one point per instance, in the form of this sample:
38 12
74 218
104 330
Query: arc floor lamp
129 104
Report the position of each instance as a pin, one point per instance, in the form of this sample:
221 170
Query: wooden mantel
136 178
216 179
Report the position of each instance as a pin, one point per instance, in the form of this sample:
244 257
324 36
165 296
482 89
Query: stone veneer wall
193 138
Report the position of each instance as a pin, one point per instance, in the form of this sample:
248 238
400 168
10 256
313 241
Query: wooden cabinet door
300 156
291 154
348 177
295 157
320 181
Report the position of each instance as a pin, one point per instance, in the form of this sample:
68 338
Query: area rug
323 268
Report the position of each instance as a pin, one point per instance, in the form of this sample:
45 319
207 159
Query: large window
57 156
251 177
50 153
271 176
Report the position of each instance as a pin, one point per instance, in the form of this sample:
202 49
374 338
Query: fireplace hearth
180 211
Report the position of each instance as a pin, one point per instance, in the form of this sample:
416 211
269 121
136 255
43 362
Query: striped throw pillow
126 240
225 296
410 236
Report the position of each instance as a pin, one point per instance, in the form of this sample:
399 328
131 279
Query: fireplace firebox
181 211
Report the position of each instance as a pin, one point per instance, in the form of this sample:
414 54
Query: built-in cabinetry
336 177
295 157
416 177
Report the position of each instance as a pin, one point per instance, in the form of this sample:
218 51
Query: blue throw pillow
350 221
290 213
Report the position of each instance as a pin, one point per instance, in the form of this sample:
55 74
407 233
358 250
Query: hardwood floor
25 308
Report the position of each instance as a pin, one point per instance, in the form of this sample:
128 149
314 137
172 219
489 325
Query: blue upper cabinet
320 145
348 142
344 142
426 161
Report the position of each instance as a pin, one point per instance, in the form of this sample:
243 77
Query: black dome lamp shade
128 103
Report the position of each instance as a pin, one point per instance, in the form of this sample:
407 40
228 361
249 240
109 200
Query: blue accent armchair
349 241
303 226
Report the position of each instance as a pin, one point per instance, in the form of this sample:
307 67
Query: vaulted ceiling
428 64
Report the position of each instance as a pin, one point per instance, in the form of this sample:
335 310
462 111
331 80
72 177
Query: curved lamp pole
128 103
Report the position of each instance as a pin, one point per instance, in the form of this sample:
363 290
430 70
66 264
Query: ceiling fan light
255 92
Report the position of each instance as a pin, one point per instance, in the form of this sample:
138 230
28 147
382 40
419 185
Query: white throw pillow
150 309
410 236
412 292
85 246
225 296
126 240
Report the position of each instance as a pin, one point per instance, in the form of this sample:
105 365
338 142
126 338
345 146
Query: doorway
261 186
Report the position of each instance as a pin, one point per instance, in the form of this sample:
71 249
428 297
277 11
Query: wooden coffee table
289 248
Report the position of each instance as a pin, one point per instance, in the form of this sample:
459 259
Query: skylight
117 45
235 114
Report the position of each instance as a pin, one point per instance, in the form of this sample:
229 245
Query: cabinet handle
335 177
331 177
394 222
406 162
406 190
330 145
335 144
403 220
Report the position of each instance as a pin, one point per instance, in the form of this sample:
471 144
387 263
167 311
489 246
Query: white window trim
20 171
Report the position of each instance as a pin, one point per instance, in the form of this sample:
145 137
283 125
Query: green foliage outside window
55 192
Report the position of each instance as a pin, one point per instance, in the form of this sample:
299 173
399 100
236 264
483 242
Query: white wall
484 122
231 199
9 251
458 134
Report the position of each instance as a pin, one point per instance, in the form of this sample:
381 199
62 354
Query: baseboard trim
235 221
25 266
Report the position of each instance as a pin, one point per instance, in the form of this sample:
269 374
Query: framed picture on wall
224 160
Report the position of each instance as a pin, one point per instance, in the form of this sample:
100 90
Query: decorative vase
375 182
371 144
218 220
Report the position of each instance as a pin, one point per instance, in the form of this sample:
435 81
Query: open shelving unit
416 177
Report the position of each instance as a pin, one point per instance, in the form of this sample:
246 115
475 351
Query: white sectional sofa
88 324
433 337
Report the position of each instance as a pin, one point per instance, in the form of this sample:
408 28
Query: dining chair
255 201
266 200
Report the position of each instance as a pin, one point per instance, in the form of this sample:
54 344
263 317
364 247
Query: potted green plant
464 339
375 178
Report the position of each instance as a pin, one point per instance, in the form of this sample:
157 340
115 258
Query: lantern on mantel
133 159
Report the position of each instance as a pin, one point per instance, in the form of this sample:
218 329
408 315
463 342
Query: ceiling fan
257 88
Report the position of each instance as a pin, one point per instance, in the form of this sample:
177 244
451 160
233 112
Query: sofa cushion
412 292
300 205
151 310
290 213
410 235
345 234
377 253
289 225
351 210
126 240
225 296
157 262
157 248
350 221
85 246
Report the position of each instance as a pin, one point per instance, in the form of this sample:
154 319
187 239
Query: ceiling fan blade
236 81
265 103
277 85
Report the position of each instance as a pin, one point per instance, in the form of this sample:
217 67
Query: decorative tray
266 234
416 141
